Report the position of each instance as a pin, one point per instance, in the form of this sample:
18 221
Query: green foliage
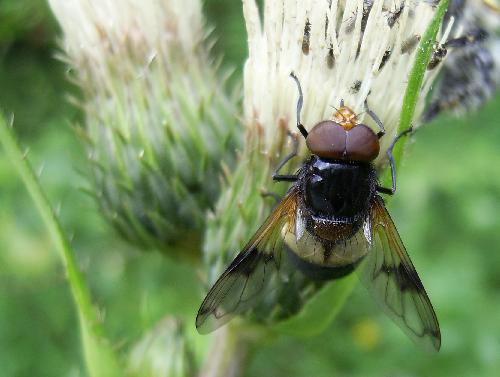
446 210
315 317
27 20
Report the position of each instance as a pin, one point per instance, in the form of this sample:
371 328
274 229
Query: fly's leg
376 119
392 190
270 194
300 102
287 177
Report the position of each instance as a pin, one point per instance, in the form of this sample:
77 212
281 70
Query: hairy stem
101 360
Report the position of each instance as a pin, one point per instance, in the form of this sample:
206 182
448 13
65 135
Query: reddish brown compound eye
327 140
362 144
330 140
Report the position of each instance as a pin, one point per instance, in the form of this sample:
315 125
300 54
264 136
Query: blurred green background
447 210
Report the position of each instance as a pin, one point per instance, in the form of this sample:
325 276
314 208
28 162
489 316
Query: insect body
331 222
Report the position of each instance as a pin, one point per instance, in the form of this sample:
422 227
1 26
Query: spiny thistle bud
158 123
163 352
354 51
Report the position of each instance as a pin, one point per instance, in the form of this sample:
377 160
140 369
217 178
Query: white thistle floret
94 29
348 42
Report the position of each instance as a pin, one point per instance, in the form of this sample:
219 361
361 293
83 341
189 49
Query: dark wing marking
240 286
390 277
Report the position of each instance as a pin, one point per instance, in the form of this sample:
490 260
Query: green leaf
100 358
320 310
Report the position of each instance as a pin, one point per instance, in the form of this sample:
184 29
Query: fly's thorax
338 191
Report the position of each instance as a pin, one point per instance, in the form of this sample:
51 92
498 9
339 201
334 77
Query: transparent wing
390 277
241 285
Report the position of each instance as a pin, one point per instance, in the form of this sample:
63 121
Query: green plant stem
416 78
100 358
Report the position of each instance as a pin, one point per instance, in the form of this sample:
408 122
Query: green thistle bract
162 352
158 123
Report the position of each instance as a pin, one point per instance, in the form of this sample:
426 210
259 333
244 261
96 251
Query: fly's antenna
300 102
334 108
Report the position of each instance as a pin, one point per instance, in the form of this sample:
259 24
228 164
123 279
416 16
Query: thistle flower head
158 123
